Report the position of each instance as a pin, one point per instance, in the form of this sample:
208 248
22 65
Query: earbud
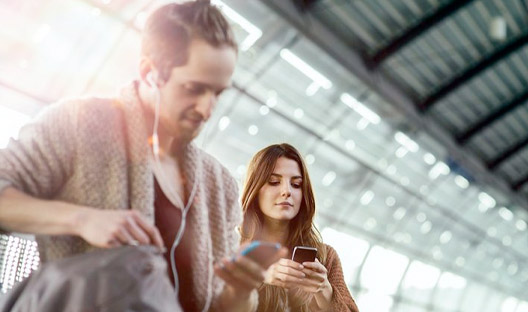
152 78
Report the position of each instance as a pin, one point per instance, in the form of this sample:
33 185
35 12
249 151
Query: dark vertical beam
486 63
418 29
504 110
507 154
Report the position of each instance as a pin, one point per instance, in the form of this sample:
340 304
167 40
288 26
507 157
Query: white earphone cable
176 196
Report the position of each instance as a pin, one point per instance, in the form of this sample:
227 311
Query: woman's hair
302 231
169 30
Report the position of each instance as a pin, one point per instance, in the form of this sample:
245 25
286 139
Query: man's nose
205 105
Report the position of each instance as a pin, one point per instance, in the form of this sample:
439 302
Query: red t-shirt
168 221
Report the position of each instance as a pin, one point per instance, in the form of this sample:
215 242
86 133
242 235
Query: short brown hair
170 29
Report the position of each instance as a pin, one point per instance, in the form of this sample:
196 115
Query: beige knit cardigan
95 152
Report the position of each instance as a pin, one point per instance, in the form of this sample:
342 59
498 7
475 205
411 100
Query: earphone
152 80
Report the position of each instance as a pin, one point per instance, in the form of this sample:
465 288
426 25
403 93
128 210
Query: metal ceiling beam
507 154
351 60
490 119
517 185
486 63
418 29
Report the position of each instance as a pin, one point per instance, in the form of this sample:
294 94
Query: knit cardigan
342 301
95 152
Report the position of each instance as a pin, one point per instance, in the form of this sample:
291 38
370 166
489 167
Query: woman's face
280 198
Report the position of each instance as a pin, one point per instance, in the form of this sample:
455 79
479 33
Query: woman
279 206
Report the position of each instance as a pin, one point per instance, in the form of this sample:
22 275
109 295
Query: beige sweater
95 152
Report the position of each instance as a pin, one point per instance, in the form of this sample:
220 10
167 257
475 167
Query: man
83 175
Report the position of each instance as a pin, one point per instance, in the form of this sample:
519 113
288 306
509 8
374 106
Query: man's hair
170 29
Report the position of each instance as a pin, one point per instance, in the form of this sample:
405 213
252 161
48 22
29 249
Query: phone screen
304 254
261 252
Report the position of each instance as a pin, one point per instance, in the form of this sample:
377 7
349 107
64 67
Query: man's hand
111 228
242 273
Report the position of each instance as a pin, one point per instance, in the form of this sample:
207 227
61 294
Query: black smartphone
304 254
261 252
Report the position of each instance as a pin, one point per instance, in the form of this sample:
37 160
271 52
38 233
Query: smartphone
304 254
261 252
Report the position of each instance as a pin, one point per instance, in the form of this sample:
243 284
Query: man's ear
147 72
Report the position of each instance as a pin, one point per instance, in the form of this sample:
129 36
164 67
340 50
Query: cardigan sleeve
39 161
342 300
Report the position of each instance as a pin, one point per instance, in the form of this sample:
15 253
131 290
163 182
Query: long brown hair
302 231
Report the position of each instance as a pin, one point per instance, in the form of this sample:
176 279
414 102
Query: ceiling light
390 201
497 28
312 89
359 108
401 152
328 178
487 200
350 145
367 197
506 213
506 241
520 225
223 123
438 169
264 110
310 159
426 227
404 140
370 224
298 113
253 130
271 101
461 182
391 169
513 268
460 261
421 217
445 237
254 33
492 231
306 69
362 124
399 213
429 158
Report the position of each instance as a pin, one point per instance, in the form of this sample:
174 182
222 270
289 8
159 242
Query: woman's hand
316 279
285 273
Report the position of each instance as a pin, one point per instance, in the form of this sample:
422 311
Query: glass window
373 302
383 271
10 123
449 290
509 304
523 307
419 282
351 251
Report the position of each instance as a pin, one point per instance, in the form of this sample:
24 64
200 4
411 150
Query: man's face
192 90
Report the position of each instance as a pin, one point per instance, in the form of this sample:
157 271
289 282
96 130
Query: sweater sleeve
342 300
39 161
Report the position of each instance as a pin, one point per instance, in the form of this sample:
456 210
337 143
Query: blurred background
412 116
